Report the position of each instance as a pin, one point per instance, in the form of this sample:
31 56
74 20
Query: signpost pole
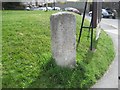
94 22
82 24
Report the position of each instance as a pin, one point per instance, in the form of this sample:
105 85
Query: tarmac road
110 78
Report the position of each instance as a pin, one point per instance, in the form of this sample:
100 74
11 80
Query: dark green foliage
12 5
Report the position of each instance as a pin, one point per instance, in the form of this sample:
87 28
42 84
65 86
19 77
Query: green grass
0 49
27 60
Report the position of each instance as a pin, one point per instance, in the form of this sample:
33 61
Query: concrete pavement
110 78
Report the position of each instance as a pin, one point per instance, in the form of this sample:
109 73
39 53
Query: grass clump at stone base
27 60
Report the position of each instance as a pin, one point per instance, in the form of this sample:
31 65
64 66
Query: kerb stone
63 35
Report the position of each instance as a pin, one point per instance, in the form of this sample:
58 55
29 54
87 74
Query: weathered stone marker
63 33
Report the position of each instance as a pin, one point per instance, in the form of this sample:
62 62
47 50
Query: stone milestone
63 35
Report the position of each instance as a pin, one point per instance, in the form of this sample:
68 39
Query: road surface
110 78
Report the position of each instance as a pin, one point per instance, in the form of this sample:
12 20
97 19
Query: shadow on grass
53 76
89 55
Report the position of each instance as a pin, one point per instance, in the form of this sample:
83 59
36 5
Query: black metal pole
54 4
92 22
91 43
82 23
90 27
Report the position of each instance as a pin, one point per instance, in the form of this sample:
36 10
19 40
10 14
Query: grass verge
27 60
0 49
